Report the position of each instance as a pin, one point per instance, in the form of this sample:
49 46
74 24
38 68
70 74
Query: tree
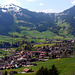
45 71
40 71
53 71
6 73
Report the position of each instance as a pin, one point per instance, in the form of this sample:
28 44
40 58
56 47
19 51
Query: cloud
41 4
48 11
73 2
12 1
31 0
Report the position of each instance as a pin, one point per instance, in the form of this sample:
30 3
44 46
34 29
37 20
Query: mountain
16 19
65 22
68 16
22 17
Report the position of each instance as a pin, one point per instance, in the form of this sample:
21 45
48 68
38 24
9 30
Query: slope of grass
65 66
37 34
34 35
42 45
4 52
15 34
9 39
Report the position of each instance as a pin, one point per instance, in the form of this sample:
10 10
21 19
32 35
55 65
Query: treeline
46 71
12 45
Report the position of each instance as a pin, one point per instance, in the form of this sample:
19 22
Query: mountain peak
10 7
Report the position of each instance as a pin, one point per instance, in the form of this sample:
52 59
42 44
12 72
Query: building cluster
24 58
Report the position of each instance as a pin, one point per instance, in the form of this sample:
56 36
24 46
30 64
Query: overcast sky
42 5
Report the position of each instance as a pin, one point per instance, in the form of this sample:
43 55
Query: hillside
19 22
65 66
66 21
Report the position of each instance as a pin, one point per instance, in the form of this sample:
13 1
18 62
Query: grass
34 35
29 35
9 39
42 45
37 34
4 52
15 33
66 66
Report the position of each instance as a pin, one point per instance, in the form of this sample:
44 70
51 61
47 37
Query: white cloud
73 2
31 0
12 1
48 11
41 4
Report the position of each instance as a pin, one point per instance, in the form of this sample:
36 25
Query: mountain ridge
15 17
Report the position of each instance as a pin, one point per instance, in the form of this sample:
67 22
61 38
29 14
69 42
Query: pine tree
40 71
5 73
53 71
45 71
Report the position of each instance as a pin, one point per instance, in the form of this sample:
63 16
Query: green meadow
42 45
4 52
33 35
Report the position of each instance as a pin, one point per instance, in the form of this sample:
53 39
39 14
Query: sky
47 6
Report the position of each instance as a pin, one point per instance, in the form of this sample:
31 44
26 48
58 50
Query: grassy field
37 34
65 66
42 45
33 35
8 38
4 52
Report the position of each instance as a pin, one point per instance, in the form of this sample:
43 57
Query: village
26 58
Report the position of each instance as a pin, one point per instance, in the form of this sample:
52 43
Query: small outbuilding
28 70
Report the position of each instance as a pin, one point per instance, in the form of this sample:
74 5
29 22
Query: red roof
18 53
26 69
24 56
36 51
42 54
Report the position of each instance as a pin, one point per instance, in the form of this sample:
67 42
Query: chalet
22 52
8 67
28 63
24 56
42 55
20 58
57 52
27 70
73 41
32 59
12 66
42 60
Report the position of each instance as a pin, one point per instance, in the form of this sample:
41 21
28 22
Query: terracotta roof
18 53
26 69
36 51
24 56
7 67
22 51
42 54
